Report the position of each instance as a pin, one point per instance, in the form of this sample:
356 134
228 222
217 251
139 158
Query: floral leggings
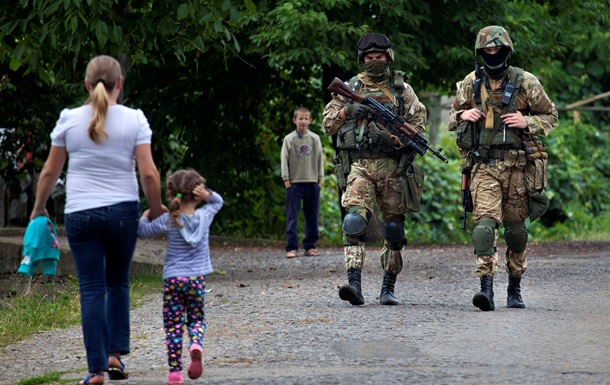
182 296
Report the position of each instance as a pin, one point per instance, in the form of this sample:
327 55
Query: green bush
579 167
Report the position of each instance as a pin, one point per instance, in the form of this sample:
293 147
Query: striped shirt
188 248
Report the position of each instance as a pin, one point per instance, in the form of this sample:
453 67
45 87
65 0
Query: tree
218 80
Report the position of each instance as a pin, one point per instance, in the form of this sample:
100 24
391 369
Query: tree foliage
219 79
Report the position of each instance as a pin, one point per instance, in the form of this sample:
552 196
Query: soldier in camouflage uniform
499 114
375 163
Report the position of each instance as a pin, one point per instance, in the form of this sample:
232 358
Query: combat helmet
492 36
374 42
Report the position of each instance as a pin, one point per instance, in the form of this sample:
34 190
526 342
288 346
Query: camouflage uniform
498 181
376 173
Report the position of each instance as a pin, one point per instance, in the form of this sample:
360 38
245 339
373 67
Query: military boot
484 299
514 300
387 296
351 292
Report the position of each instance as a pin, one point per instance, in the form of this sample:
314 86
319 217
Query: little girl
186 264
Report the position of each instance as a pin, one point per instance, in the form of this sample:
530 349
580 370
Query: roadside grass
53 378
49 378
578 226
52 306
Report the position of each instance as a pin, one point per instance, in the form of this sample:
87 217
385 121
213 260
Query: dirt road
272 320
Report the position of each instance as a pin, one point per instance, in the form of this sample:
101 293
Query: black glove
358 111
379 135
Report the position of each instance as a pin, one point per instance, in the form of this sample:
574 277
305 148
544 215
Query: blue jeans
102 241
309 193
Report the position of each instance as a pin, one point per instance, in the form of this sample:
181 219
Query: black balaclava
496 64
377 70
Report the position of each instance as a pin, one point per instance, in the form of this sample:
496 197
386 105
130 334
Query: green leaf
198 42
250 6
183 11
117 33
101 32
218 26
234 14
74 24
207 18
19 51
167 27
15 64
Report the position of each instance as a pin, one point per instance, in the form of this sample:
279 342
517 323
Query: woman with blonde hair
105 141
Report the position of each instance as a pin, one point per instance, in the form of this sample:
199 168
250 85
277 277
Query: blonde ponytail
103 73
99 102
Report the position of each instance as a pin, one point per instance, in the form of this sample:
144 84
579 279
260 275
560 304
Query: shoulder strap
386 92
518 79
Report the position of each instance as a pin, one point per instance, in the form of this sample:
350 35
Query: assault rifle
466 197
409 136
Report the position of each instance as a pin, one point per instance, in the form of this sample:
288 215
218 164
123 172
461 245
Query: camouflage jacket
414 111
533 102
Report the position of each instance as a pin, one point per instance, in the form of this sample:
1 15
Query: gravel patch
273 320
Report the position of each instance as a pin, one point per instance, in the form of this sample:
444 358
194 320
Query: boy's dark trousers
309 193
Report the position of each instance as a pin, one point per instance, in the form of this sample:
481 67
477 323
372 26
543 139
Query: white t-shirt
103 174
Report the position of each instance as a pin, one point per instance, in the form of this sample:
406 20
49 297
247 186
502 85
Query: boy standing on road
302 172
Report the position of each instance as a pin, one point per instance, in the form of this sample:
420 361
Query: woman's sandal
87 380
117 373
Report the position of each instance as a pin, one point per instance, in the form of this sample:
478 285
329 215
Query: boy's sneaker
196 367
174 378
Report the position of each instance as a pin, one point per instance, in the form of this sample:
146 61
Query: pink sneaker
196 367
174 378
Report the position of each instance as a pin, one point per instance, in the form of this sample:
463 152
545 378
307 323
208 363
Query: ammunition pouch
412 188
536 169
351 135
468 135
341 162
536 175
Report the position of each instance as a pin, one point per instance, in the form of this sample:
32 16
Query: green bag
412 188
538 204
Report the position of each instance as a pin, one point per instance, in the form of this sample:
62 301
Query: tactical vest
353 135
490 138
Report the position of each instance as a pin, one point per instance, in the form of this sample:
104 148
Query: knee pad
354 226
394 233
515 235
483 237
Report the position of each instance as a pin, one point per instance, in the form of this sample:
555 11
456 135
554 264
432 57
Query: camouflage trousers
373 181
499 192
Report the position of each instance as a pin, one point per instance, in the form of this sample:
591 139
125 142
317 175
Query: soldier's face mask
496 60
377 70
